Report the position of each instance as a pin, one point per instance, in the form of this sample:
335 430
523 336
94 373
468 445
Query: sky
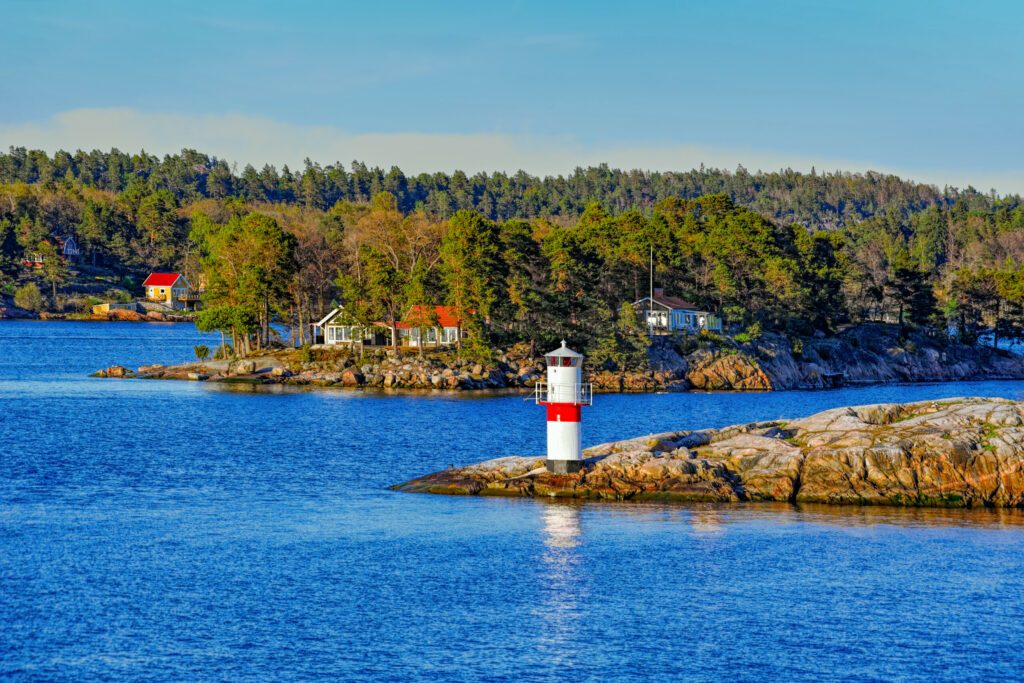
928 90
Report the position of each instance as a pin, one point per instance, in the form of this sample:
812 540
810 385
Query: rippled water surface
181 531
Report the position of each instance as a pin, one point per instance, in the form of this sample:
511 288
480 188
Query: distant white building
69 248
664 314
66 247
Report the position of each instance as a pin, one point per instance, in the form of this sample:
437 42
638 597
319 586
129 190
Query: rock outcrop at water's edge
348 373
875 354
871 353
966 452
865 354
115 372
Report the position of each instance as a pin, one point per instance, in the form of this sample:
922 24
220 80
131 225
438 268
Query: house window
450 335
432 335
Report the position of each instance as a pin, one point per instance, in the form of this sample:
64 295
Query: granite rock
962 452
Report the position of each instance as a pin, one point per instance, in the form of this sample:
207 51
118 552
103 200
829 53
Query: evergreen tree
470 267
54 268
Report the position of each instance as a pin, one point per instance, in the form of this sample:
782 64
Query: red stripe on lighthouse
563 412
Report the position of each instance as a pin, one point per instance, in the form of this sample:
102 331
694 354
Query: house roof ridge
162 279
445 316
673 302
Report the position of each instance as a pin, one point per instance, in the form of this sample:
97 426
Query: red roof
161 279
447 316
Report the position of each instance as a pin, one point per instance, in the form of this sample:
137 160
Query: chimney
659 291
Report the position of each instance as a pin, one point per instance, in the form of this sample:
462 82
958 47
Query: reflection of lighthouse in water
706 521
561 528
563 590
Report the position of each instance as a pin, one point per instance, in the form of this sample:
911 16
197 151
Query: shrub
735 314
29 297
685 343
118 296
85 305
202 352
751 334
306 354
713 337
223 351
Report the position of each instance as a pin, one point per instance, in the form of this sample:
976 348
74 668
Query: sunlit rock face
956 452
875 353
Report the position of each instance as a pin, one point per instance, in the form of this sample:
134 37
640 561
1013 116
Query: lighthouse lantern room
564 393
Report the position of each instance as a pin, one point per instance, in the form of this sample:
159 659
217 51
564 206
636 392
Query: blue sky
931 90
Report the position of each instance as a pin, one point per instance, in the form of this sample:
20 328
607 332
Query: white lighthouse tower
564 394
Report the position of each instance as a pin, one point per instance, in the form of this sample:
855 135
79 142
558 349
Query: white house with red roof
430 326
427 326
170 289
664 314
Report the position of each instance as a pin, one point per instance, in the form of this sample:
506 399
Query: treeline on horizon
815 200
532 259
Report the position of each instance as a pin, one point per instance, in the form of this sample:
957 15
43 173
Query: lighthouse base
563 466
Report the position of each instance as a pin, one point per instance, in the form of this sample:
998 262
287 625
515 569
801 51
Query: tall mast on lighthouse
564 394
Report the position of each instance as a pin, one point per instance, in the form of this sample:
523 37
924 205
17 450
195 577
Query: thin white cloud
249 139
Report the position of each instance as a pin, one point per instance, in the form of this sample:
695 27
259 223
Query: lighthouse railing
579 393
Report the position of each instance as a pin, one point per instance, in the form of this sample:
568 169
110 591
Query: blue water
181 531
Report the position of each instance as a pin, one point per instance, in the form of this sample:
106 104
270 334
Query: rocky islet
966 452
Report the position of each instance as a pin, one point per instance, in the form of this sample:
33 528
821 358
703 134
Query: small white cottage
340 328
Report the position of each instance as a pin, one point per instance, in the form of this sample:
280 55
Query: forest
525 258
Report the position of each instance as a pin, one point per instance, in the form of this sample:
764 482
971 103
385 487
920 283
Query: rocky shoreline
866 354
965 452
860 355
380 373
110 316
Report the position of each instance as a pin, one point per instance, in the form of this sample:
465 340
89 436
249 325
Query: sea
182 531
